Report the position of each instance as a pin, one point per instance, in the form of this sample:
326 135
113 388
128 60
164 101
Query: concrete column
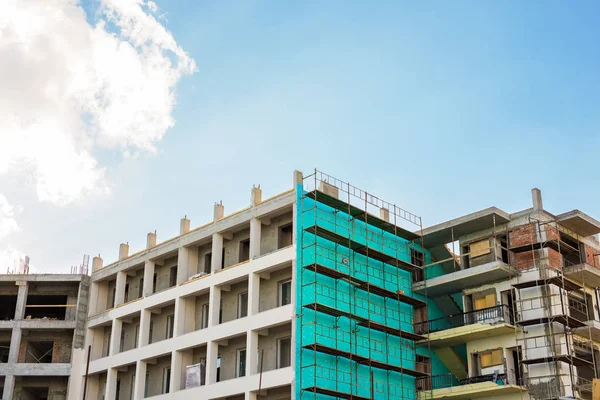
536 199
184 226
187 263
115 337
97 263
151 240
120 288
93 303
214 306
15 345
140 380
144 331
179 360
212 353
9 387
217 253
250 396
255 234
255 196
251 352
148 277
95 338
219 211
21 300
253 293
298 178
110 391
384 214
184 316
123 251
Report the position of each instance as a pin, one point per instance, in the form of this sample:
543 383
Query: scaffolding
358 258
549 309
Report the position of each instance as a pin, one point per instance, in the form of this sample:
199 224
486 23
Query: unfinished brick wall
551 232
522 235
555 259
22 351
61 351
524 260
590 256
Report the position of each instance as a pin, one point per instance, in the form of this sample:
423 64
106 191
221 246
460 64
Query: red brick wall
524 260
555 259
551 232
590 256
524 234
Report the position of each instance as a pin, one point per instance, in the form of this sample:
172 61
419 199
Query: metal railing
448 380
491 315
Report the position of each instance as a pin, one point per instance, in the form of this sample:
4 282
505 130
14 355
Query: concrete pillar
255 196
123 251
384 214
93 387
148 277
251 352
151 240
255 234
95 338
214 306
212 353
9 387
179 360
298 178
250 396
184 316
536 199
110 391
219 212
144 330
253 293
120 288
15 345
97 263
140 380
21 300
115 337
217 253
187 263
184 226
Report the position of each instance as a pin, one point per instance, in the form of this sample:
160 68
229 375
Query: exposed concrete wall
133 285
280 393
130 336
229 301
229 357
203 262
111 286
163 274
159 323
30 388
198 304
269 240
125 381
269 345
156 373
232 247
269 288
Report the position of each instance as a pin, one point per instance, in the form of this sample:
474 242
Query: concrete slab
467 333
584 274
483 390
466 278
591 330
480 220
579 222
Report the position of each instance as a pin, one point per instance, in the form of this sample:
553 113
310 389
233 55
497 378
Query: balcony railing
448 380
499 313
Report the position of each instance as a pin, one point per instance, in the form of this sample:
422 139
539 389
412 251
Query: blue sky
442 108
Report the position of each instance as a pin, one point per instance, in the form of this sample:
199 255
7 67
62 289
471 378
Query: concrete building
514 305
42 332
328 292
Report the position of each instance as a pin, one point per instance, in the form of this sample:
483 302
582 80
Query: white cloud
68 88
8 224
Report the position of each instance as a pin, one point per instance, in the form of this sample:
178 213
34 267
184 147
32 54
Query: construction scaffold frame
350 239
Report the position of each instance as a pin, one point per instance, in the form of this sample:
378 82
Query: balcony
584 274
448 386
465 278
473 325
591 330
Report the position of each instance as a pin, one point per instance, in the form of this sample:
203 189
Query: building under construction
327 292
42 332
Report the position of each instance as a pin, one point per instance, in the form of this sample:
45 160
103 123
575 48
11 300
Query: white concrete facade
221 295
